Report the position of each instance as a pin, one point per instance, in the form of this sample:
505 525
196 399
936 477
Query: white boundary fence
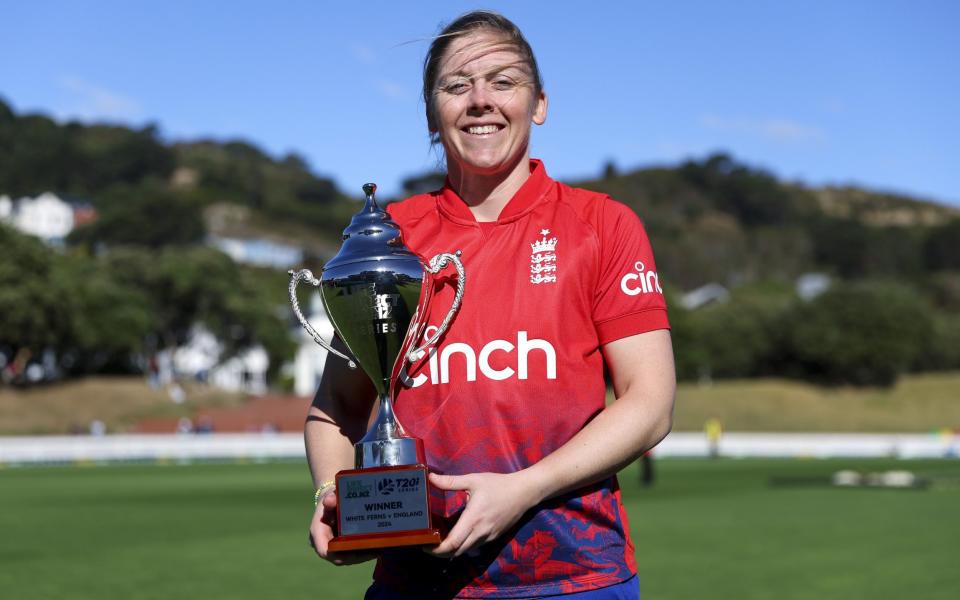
256 446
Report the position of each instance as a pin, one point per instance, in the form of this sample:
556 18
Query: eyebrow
491 71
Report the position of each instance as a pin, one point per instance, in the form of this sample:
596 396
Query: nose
480 99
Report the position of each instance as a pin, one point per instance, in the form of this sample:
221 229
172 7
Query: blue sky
862 92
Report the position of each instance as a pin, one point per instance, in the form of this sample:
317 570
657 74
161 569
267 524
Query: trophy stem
386 426
386 443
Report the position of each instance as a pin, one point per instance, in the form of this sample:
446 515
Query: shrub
864 333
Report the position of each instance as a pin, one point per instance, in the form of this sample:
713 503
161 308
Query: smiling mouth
482 129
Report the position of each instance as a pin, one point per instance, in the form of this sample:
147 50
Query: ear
540 109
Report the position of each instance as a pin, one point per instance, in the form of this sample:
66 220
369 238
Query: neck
488 194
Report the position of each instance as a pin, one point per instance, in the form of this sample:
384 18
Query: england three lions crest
543 259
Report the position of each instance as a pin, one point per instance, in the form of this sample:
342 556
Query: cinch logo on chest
437 369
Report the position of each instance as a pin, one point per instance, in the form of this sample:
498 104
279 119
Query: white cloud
775 129
391 89
92 102
363 54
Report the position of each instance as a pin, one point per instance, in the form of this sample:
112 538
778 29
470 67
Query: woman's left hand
494 503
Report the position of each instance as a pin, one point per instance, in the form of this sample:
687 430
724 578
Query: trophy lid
371 235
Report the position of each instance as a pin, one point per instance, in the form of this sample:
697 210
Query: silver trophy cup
377 294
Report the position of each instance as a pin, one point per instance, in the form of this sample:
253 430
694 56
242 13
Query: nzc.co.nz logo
634 284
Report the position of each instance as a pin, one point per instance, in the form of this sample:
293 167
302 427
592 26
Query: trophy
377 294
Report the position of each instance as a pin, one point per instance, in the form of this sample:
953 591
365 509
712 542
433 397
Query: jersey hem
538 590
642 321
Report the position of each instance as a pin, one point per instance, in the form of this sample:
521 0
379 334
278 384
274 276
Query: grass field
708 529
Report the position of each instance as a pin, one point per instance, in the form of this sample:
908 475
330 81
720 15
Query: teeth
483 130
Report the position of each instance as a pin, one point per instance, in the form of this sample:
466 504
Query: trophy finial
369 189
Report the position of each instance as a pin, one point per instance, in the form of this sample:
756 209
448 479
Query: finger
454 539
321 532
446 548
328 504
329 499
451 482
350 558
472 540
319 543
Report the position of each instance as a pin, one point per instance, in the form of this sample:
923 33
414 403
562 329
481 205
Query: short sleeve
629 296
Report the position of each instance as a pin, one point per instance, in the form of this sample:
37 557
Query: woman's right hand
322 528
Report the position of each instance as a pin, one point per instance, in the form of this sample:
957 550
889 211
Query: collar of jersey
533 190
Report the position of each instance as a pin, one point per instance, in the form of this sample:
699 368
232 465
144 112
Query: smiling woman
511 404
484 104
483 89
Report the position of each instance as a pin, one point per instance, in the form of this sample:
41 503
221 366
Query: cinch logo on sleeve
438 367
634 284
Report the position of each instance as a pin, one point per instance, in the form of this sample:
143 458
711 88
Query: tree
864 333
109 321
423 183
34 315
740 337
185 286
69 305
144 216
941 249
753 196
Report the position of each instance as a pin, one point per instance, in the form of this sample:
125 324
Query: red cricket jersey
520 371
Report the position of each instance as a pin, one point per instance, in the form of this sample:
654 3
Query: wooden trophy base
383 507
373 541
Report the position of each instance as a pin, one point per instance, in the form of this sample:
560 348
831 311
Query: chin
488 165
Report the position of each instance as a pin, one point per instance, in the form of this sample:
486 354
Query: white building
201 356
260 252
46 216
704 295
311 357
244 372
811 285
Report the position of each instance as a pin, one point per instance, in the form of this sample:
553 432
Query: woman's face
485 103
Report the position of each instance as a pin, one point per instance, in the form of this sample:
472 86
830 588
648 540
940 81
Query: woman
511 404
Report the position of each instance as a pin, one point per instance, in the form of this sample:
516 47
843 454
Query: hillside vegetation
135 279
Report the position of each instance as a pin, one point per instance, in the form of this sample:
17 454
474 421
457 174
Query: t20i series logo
398 485
634 284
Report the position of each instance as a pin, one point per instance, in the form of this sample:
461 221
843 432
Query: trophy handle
307 275
437 263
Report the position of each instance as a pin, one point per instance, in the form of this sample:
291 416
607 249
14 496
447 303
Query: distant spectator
204 425
98 428
184 425
176 393
153 372
714 431
647 475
